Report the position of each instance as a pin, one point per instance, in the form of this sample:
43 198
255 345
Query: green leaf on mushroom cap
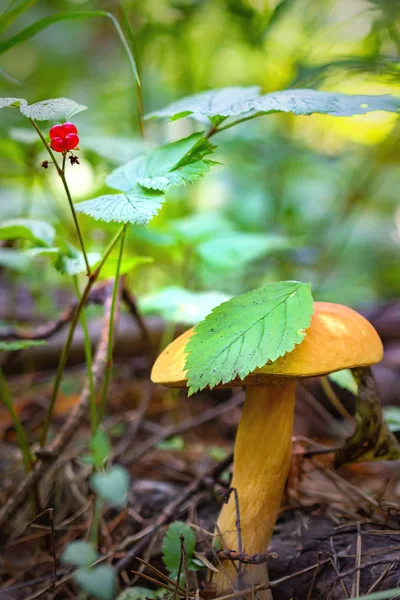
246 332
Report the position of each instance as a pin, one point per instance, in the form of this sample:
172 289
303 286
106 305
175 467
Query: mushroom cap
338 338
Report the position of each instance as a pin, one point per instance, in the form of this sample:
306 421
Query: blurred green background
308 198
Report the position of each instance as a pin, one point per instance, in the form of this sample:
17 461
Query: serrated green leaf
79 553
392 417
345 380
32 230
167 167
15 345
52 110
17 102
177 305
112 486
236 249
171 548
246 332
138 207
99 582
14 259
223 102
100 448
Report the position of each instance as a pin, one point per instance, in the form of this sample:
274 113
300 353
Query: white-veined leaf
52 110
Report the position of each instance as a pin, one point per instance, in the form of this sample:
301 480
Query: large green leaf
235 102
223 102
177 305
52 110
28 229
167 167
246 332
138 206
238 248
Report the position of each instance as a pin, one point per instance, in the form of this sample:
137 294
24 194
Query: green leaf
200 226
140 593
20 344
99 581
237 248
171 548
9 16
384 595
345 380
52 110
15 102
112 486
73 262
127 264
32 230
138 207
177 305
174 443
307 102
167 167
236 102
223 102
100 448
246 332
79 553
14 260
392 417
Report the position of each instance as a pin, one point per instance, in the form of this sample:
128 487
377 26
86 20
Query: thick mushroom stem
261 465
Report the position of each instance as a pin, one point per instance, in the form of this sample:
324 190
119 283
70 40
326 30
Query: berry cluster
64 137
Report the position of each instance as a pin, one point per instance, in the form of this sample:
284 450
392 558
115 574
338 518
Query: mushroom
338 338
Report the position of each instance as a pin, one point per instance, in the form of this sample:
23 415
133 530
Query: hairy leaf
28 229
223 102
138 206
167 167
52 110
17 102
246 332
171 548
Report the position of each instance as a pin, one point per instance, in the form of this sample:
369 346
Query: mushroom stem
262 460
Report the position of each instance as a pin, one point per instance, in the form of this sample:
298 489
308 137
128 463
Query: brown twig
247 559
49 454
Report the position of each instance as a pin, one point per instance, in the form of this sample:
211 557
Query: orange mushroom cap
338 338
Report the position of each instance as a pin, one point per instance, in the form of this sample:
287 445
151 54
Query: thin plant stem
68 343
61 174
94 528
107 375
22 438
215 130
89 361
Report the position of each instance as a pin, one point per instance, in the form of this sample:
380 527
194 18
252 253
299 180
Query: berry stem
61 174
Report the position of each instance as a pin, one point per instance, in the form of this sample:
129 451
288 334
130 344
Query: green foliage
71 261
128 263
392 417
140 593
384 595
34 231
46 110
79 553
99 582
171 548
14 259
345 380
178 305
246 332
112 486
145 179
236 102
16 345
176 442
100 448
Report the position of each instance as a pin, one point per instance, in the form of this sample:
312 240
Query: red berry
57 144
69 128
71 141
56 131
